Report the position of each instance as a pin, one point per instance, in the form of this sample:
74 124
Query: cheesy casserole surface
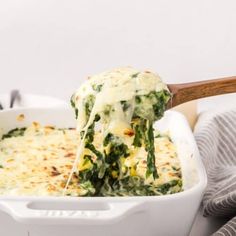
36 161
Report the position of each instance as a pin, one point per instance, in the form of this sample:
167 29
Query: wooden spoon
182 93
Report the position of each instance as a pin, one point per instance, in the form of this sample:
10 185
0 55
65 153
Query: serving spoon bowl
186 92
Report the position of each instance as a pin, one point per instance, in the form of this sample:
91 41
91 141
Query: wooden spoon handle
190 91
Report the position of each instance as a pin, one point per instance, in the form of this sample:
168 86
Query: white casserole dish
139 216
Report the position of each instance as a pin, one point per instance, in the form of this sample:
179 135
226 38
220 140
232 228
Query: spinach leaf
72 102
135 186
125 105
167 187
88 104
148 109
149 147
135 75
151 106
117 148
97 87
14 133
106 169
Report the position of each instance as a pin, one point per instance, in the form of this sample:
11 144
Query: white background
49 47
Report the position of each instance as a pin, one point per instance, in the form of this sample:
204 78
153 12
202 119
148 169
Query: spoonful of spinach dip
115 113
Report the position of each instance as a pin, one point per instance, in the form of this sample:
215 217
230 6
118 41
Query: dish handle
23 212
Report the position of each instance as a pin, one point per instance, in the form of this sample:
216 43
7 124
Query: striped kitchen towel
216 138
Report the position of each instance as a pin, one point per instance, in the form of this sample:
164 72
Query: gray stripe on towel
216 139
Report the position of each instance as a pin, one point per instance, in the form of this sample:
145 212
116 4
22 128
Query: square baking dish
169 215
